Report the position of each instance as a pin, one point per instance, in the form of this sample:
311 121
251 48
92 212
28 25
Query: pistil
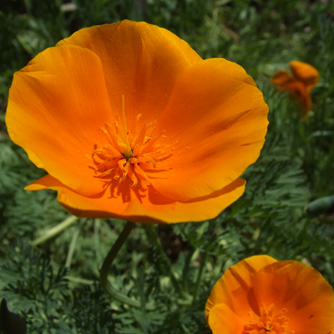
127 149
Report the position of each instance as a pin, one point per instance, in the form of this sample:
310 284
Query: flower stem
107 265
153 238
71 249
199 276
185 273
55 230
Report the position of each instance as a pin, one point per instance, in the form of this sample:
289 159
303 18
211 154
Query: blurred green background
287 210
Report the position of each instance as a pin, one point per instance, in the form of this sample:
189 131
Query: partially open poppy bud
304 77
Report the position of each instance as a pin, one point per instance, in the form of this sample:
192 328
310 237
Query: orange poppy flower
260 295
129 122
304 78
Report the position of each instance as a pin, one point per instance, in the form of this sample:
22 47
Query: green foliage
54 286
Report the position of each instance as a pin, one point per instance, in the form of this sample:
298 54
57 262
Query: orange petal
302 290
286 82
153 208
216 119
57 104
140 61
300 92
281 77
306 104
223 320
304 72
234 287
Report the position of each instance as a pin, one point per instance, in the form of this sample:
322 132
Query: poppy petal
302 290
233 287
217 120
224 321
53 118
281 77
154 208
304 72
141 62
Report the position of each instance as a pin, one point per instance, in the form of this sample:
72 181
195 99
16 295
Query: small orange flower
304 78
260 295
129 122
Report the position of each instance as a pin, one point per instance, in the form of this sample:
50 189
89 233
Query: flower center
268 322
129 156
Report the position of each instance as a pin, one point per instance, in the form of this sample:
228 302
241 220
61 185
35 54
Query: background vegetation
286 211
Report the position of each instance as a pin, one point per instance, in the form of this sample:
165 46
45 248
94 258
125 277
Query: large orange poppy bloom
130 122
304 77
260 295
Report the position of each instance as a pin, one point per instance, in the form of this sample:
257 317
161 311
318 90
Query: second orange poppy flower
260 295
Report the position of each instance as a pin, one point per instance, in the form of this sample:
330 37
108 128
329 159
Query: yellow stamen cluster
267 322
129 155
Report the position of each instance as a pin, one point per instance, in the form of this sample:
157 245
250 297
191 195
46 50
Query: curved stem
107 265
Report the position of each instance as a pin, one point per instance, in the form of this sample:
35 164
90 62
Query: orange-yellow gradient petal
130 122
300 289
225 111
56 105
139 60
221 313
154 208
233 287
289 296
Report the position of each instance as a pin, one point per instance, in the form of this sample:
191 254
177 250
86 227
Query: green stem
199 276
153 238
79 280
185 276
55 230
107 265
71 249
